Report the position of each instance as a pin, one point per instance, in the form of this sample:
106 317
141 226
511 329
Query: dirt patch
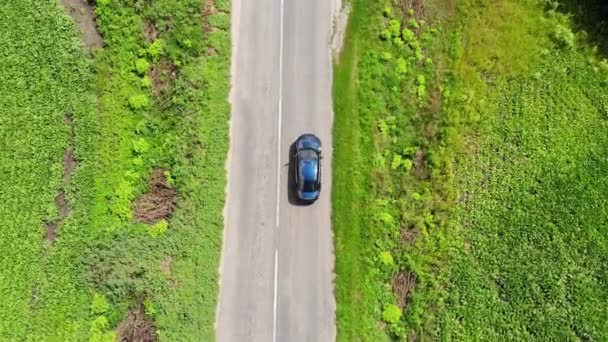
420 167
150 32
50 231
158 203
409 235
136 327
416 5
402 284
340 22
83 15
210 8
165 266
163 75
69 165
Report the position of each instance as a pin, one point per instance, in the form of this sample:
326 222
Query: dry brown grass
158 203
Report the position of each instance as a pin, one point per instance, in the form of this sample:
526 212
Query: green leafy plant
139 101
156 49
392 314
386 259
142 66
387 12
99 305
159 228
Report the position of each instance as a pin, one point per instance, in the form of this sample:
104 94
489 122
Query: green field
480 130
112 169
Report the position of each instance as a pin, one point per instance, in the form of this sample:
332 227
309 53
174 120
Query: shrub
398 42
386 56
123 195
408 35
396 161
392 314
159 228
401 66
146 82
421 89
156 49
385 35
139 101
387 259
142 66
563 36
140 146
394 27
100 304
407 165
387 12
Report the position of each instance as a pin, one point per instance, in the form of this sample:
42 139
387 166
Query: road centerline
279 117
274 309
278 190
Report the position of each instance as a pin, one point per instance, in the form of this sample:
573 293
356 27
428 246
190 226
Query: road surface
277 260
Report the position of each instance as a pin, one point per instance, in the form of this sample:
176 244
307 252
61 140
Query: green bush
386 258
159 228
142 66
408 35
392 314
100 304
394 26
139 101
387 12
564 36
156 49
402 66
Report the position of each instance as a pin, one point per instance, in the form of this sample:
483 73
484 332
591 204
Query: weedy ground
477 132
112 170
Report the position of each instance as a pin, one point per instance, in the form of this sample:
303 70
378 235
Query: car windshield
308 154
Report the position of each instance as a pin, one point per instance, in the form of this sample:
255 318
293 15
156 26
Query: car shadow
292 195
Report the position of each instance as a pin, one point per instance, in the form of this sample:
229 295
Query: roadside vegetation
113 170
477 212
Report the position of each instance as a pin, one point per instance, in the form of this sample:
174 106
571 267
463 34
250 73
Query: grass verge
135 251
474 130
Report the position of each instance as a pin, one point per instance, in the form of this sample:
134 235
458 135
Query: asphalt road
277 260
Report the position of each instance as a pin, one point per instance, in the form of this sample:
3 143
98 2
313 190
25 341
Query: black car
308 167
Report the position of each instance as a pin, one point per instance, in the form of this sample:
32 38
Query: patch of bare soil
158 203
340 23
51 231
420 168
402 284
150 32
163 75
409 235
416 5
82 13
136 327
209 9
69 165
166 267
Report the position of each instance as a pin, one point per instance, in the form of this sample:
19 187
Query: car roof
309 169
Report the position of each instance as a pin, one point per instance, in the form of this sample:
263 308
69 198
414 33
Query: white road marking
279 126
279 116
274 309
